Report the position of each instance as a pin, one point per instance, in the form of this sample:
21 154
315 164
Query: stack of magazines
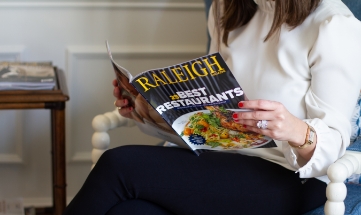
27 76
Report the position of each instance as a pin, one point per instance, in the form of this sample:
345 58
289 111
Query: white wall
142 34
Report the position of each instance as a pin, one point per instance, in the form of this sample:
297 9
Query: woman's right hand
122 103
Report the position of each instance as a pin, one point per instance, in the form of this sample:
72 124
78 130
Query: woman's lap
183 183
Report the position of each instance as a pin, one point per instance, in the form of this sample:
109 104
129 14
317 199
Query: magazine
27 76
189 104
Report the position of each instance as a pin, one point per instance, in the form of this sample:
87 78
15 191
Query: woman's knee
115 156
119 155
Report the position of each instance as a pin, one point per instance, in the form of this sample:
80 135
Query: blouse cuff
326 151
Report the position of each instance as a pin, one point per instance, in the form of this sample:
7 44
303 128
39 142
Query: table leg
58 159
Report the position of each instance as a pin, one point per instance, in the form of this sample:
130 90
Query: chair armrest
102 123
338 172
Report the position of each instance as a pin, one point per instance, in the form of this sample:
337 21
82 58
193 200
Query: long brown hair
237 13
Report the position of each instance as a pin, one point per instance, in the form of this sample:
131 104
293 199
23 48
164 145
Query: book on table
190 104
27 76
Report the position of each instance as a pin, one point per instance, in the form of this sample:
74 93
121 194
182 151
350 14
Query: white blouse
314 70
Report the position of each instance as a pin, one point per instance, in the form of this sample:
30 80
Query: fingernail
235 116
125 101
240 104
245 126
130 108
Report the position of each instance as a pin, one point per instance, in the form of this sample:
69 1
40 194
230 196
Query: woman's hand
281 124
122 103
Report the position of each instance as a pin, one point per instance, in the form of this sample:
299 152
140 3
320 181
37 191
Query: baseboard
41 202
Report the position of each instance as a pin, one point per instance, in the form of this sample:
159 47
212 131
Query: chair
343 197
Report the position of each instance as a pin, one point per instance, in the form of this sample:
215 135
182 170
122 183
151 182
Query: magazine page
197 98
123 71
27 76
146 117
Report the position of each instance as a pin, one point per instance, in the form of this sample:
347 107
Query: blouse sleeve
335 66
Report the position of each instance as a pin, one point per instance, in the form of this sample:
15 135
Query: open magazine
189 104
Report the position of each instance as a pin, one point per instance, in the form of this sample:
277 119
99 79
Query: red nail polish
245 126
240 104
235 116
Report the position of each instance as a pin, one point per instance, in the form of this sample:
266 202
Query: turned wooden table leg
58 158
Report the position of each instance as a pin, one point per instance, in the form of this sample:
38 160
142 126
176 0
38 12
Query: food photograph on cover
216 129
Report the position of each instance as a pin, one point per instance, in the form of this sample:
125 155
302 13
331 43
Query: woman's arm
335 82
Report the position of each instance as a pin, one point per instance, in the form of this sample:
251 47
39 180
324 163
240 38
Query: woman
298 63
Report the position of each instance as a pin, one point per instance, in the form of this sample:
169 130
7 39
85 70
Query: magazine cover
26 76
194 100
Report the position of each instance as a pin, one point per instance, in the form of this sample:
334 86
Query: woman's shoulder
330 8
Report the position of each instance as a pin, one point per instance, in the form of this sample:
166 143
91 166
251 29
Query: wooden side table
55 101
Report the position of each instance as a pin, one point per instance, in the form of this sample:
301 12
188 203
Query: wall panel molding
37 202
75 53
41 202
15 157
11 159
107 5
79 157
14 53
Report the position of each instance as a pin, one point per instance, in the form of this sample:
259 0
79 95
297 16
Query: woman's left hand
281 124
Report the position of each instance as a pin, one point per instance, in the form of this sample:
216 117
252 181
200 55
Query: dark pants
169 180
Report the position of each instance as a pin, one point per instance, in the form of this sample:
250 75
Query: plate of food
215 128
